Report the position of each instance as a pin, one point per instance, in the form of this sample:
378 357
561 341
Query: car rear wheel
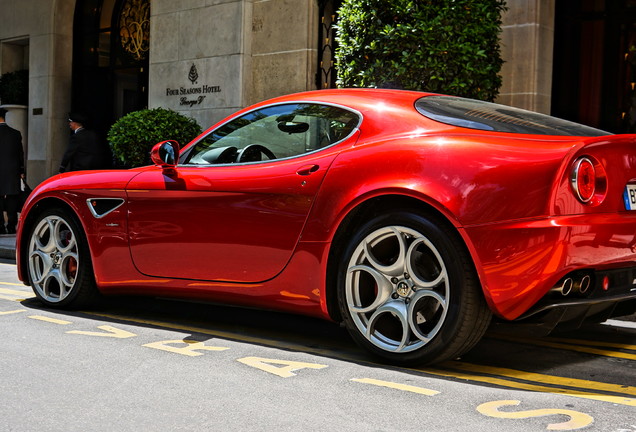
408 290
60 268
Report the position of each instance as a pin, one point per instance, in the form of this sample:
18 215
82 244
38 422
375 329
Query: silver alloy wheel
397 289
53 258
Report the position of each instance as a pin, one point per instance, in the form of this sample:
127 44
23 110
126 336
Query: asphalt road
158 365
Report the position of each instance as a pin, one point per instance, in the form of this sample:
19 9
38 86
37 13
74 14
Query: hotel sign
195 94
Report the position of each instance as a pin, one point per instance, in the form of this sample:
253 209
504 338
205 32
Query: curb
7 253
7 247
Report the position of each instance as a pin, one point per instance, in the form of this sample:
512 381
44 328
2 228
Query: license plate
629 196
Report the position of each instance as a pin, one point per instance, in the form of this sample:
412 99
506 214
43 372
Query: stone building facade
208 58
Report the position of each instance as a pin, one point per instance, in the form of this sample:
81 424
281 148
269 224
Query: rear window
475 114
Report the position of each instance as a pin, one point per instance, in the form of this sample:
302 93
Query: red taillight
584 179
588 180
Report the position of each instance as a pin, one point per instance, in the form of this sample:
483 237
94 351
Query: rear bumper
611 294
570 316
520 262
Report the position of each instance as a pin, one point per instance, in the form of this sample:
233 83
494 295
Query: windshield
475 114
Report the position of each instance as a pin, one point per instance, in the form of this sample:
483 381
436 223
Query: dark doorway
110 59
595 63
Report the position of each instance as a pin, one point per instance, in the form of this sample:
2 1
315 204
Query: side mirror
165 154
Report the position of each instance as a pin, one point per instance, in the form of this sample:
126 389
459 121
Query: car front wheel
60 268
408 290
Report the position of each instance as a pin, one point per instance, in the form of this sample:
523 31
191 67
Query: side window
275 132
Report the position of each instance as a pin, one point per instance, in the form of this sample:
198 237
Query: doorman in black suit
85 150
11 170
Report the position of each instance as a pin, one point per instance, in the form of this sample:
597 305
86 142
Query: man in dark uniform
85 150
11 170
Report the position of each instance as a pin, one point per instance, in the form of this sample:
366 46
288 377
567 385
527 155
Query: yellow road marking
202 330
10 292
593 343
449 374
12 284
532 387
190 349
10 298
396 386
287 371
546 343
545 379
577 420
12 312
50 320
109 331
16 292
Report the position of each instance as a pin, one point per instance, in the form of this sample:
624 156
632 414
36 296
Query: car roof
354 97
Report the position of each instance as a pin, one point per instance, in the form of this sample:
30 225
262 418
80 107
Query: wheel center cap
57 258
403 289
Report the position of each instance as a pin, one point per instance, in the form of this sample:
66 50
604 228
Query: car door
235 206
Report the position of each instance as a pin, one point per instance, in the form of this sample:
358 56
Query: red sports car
411 217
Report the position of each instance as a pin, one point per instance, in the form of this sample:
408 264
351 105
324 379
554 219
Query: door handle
307 170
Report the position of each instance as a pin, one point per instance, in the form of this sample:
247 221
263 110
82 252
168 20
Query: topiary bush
132 137
14 88
439 46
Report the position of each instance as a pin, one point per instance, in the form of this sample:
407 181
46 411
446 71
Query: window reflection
275 132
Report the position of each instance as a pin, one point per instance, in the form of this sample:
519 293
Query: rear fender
617 156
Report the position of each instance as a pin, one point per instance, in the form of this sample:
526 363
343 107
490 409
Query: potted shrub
132 137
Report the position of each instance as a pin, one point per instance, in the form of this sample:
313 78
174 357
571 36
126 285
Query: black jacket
85 152
11 160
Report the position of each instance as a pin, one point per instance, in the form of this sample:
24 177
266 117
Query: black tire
59 261
408 290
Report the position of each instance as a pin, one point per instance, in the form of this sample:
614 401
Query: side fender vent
100 207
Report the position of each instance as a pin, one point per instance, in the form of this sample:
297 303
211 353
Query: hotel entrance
594 79
110 59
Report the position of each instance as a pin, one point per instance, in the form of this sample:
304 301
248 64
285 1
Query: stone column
527 50
284 48
198 57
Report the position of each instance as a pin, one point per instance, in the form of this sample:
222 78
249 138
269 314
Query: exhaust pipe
570 286
582 286
565 288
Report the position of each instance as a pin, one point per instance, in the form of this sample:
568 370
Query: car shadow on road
204 322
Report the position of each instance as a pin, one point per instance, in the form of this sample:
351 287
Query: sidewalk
7 246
